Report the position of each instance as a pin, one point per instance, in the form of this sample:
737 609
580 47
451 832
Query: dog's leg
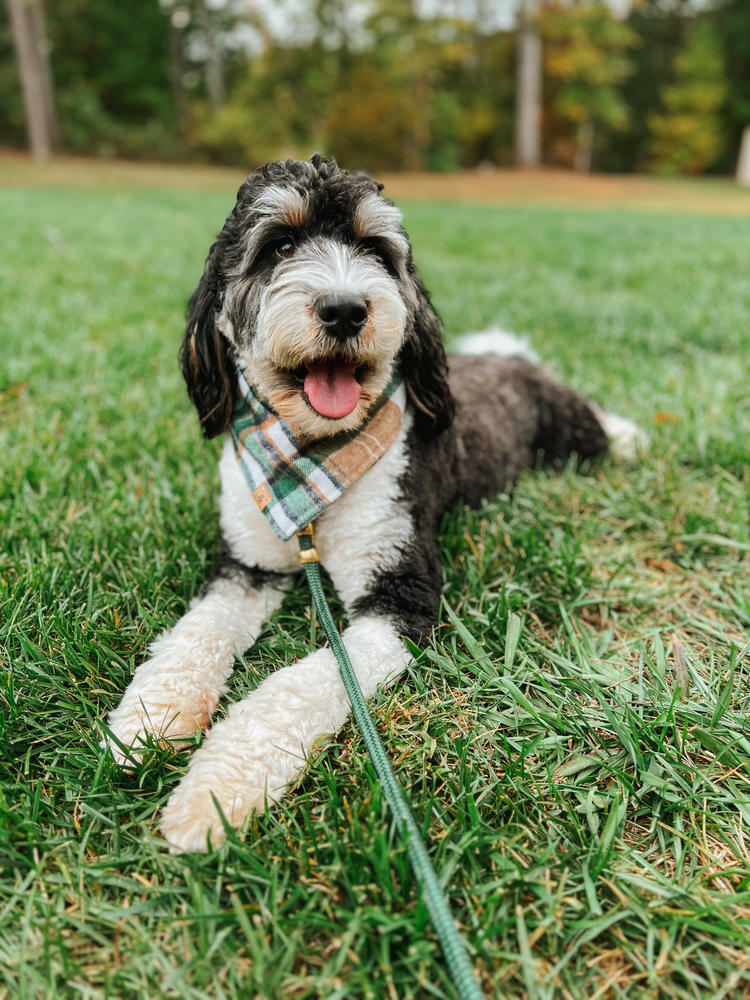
265 740
567 423
175 692
544 416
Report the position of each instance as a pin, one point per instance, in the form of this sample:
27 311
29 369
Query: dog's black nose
342 316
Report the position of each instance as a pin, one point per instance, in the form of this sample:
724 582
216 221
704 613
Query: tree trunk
743 164
177 73
27 25
212 68
45 70
584 146
528 88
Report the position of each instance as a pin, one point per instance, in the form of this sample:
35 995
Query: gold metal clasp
308 553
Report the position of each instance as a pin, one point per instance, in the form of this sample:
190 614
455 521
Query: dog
311 298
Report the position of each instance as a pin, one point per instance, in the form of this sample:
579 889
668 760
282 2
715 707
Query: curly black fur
509 415
206 357
425 367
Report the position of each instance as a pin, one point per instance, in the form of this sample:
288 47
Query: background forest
391 84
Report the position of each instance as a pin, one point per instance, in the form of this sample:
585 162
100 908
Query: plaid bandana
292 485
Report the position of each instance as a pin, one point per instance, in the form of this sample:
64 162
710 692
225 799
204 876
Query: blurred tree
12 115
372 123
380 114
382 83
487 124
111 69
394 91
178 19
449 86
659 29
686 136
732 23
528 87
585 61
276 105
213 69
32 53
742 173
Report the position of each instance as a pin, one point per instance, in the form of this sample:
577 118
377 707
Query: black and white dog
311 291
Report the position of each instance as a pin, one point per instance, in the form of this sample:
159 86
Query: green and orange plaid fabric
293 484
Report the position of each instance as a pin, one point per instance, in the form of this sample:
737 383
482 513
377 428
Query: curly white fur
175 692
264 742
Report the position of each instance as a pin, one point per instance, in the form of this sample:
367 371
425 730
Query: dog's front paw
240 766
170 698
252 756
167 718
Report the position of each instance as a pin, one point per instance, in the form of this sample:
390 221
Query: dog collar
293 484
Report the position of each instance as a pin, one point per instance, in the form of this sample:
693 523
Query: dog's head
311 289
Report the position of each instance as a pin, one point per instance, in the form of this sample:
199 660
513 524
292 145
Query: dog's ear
425 368
206 357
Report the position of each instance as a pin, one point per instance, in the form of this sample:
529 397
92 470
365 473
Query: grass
574 740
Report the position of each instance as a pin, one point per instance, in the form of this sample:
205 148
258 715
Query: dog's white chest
247 532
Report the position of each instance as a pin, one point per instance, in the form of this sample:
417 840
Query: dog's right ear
206 357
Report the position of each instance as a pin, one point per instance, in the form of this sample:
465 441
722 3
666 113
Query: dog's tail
495 341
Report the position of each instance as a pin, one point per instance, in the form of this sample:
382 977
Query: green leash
437 905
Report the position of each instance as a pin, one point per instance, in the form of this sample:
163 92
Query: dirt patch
560 187
707 196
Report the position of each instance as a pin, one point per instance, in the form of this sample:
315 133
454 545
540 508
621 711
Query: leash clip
307 551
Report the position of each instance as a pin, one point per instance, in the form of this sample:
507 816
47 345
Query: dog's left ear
425 367
206 356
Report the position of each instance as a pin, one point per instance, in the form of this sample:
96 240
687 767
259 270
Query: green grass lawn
575 739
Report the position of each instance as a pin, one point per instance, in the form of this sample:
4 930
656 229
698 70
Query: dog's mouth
327 393
331 386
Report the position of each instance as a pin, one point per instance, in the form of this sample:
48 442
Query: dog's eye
284 248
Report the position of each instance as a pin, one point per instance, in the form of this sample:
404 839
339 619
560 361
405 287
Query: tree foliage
686 135
733 27
110 66
586 60
393 87
412 93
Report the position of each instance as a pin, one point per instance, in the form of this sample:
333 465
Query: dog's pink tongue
332 388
